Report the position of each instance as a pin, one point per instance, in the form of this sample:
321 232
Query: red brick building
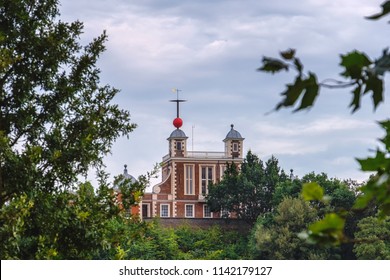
186 176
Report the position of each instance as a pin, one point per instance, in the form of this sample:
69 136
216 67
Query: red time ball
178 122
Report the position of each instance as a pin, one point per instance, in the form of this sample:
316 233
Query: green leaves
360 72
278 239
247 192
57 122
379 163
273 65
372 239
330 229
385 10
304 88
382 64
363 73
288 54
354 63
376 190
378 187
312 191
386 139
52 98
364 76
375 85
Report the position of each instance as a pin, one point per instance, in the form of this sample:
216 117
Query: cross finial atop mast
178 122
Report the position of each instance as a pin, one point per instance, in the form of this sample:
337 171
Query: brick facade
185 178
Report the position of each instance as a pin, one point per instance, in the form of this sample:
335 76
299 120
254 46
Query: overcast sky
210 50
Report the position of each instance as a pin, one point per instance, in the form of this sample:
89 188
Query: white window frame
201 180
204 212
186 212
189 190
168 210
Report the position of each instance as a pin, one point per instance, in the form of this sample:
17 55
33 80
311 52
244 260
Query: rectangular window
235 147
189 210
189 179
206 178
206 211
164 210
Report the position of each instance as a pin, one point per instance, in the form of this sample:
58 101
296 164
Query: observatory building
186 176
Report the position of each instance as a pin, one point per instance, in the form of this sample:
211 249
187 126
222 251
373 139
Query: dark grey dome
178 133
233 134
126 175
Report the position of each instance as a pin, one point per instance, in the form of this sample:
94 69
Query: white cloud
324 125
342 161
268 147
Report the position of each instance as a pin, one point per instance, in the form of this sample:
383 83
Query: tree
61 225
341 197
372 239
247 193
80 224
211 243
280 240
288 188
56 120
364 76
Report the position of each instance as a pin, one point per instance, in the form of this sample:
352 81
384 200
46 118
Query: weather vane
177 122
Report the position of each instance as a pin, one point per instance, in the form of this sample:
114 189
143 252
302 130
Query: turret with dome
233 143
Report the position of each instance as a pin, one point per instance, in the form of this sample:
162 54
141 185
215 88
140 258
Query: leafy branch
359 72
364 76
385 10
